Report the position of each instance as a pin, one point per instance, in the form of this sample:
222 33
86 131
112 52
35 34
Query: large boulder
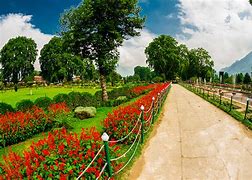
85 112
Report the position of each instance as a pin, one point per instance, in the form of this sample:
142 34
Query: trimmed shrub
4 107
98 95
157 79
43 102
88 99
75 99
115 93
24 105
62 98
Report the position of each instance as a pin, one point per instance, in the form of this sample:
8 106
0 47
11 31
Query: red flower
45 152
63 177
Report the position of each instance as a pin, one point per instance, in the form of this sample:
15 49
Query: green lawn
11 97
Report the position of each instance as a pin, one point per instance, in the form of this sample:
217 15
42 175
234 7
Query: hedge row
74 99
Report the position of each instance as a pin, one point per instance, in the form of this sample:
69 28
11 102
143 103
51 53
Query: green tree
247 79
163 56
184 62
225 77
56 64
239 78
200 64
17 58
229 80
114 77
135 78
95 29
143 72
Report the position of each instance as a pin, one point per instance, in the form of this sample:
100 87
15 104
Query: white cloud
170 16
13 25
223 27
132 52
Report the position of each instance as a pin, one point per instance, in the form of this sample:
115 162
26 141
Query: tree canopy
247 79
17 58
163 56
144 73
95 29
239 78
57 64
170 59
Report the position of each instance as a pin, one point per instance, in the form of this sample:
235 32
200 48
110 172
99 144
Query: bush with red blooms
139 90
58 108
61 155
18 126
122 120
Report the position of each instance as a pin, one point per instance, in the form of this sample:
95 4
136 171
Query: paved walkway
195 140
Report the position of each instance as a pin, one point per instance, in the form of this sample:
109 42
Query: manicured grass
92 122
11 97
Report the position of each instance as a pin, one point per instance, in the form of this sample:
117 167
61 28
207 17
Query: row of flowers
63 155
18 126
121 121
141 89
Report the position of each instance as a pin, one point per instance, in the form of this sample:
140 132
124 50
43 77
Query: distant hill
241 66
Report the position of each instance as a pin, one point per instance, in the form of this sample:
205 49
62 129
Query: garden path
195 140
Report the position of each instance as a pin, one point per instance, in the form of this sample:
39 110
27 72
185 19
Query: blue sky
161 14
45 13
222 27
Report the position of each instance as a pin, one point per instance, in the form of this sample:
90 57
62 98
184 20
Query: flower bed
120 122
61 155
64 155
18 126
136 91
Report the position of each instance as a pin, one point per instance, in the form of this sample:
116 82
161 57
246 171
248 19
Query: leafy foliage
24 105
247 79
17 58
4 107
43 102
239 78
170 60
163 56
57 64
144 73
62 98
95 29
114 78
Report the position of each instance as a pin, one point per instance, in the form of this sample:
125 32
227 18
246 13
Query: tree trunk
103 87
